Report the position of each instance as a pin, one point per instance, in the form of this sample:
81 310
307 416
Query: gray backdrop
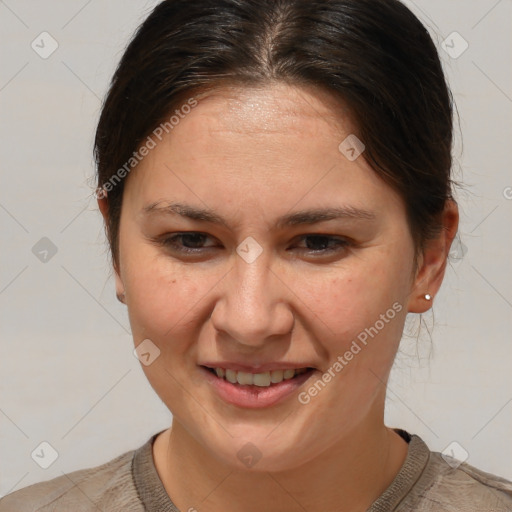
68 375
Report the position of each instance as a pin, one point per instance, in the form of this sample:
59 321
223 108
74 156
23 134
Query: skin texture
251 156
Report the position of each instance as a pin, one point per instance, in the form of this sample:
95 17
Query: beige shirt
130 483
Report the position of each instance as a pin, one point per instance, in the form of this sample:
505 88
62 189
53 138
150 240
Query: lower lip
255 397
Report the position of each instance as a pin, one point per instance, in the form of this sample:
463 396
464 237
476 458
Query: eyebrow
310 216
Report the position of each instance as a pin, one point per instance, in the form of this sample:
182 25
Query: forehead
258 148
274 108
275 129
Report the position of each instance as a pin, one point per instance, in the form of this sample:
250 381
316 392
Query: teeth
276 376
231 376
244 378
262 379
288 374
257 379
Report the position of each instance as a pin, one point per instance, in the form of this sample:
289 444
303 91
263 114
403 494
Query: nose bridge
253 307
251 286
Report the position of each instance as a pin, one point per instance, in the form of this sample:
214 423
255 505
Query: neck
349 476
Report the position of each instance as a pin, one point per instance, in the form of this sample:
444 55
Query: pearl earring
427 296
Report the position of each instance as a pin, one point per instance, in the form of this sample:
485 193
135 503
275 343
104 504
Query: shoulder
450 486
98 488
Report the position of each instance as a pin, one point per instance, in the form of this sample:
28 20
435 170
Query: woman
274 176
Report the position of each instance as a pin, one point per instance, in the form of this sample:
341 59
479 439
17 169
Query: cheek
347 303
166 301
160 303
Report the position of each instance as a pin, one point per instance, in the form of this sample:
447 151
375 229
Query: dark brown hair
374 55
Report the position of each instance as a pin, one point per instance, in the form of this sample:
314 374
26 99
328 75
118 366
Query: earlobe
430 274
103 205
120 291
420 303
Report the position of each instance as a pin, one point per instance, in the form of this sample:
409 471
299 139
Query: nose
254 304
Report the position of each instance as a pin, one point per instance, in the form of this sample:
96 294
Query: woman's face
269 282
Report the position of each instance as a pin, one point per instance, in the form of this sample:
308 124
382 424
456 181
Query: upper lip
252 368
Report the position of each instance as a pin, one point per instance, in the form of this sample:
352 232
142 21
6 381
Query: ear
433 260
103 206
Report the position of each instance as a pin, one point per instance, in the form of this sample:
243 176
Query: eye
190 242
193 243
324 244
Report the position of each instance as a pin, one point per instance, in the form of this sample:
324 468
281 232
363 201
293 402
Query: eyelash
171 242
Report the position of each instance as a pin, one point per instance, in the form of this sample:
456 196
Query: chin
259 454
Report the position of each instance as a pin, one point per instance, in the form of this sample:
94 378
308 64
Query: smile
256 390
265 379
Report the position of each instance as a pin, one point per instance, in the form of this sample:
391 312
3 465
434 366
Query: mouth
263 380
256 390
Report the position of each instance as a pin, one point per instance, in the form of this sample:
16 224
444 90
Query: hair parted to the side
374 55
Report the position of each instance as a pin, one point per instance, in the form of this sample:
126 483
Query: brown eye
324 244
191 242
